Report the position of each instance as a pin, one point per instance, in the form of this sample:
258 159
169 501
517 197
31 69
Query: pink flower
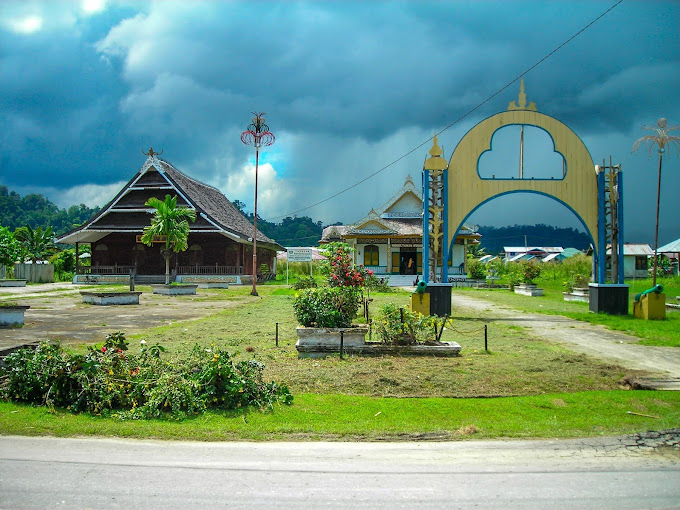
370 272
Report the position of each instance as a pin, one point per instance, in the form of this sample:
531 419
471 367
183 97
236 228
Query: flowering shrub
339 269
403 327
530 271
112 381
326 307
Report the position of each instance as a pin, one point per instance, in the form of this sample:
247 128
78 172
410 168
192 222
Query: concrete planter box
12 315
528 289
12 283
174 290
320 342
110 298
330 337
581 295
213 285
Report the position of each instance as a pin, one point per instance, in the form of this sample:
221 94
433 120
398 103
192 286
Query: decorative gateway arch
456 190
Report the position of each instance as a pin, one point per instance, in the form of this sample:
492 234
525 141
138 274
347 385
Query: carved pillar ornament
434 169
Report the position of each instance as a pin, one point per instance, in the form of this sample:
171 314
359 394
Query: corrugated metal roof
521 249
672 247
634 249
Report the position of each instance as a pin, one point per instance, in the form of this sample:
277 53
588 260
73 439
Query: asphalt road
616 473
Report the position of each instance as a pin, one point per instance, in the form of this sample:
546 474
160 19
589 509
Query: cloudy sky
348 87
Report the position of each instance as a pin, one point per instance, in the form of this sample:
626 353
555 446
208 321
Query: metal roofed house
220 240
635 259
512 252
672 252
389 240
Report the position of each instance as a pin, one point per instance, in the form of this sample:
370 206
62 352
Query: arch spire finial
522 100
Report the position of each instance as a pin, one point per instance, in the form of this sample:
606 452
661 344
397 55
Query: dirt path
596 341
57 313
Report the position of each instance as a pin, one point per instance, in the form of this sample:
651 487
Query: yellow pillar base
650 307
420 303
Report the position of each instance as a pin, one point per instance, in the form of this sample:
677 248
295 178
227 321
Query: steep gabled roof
127 212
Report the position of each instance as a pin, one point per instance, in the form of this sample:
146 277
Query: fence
34 273
210 269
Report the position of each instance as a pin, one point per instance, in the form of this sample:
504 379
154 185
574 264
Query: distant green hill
37 211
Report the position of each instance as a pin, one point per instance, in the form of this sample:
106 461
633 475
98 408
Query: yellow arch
467 190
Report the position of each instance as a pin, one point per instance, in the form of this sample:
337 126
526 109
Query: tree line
34 210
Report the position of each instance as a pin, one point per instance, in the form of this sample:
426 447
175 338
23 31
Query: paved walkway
596 341
57 313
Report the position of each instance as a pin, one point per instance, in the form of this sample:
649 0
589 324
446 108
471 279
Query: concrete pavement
604 473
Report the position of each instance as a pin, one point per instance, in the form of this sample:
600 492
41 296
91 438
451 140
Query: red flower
370 272
103 349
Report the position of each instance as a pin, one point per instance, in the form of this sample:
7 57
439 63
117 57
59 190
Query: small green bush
376 284
305 282
326 307
476 269
415 328
112 381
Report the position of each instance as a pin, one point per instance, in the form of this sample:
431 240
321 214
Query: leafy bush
113 382
476 269
403 326
326 307
305 282
376 284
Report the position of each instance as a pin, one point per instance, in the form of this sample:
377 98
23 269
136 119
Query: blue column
445 237
426 226
601 239
620 217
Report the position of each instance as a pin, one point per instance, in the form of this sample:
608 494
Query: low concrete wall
110 298
174 290
12 283
12 315
34 273
101 279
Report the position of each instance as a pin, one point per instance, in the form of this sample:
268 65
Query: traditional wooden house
389 241
220 240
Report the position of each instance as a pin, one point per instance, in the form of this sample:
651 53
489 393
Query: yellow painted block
420 303
650 307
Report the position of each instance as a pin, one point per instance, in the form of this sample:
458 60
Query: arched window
371 255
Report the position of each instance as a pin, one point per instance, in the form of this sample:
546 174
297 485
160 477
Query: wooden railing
210 269
105 269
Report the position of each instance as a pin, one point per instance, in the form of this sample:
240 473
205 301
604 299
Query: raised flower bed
174 290
12 282
12 315
110 298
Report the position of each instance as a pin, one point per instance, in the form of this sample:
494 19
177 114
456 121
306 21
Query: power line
526 71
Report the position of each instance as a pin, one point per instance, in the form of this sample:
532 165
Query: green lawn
346 417
662 333
541 389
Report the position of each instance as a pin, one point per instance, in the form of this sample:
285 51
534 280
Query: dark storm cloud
348 87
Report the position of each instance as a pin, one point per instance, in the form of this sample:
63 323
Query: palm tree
661 139
35 244
169 221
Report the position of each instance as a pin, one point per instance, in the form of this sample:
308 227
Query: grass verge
345 417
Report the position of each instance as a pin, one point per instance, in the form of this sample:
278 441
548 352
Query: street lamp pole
661 139
257 135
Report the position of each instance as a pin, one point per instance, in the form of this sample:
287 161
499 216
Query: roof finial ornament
435 150
152 153
522 100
